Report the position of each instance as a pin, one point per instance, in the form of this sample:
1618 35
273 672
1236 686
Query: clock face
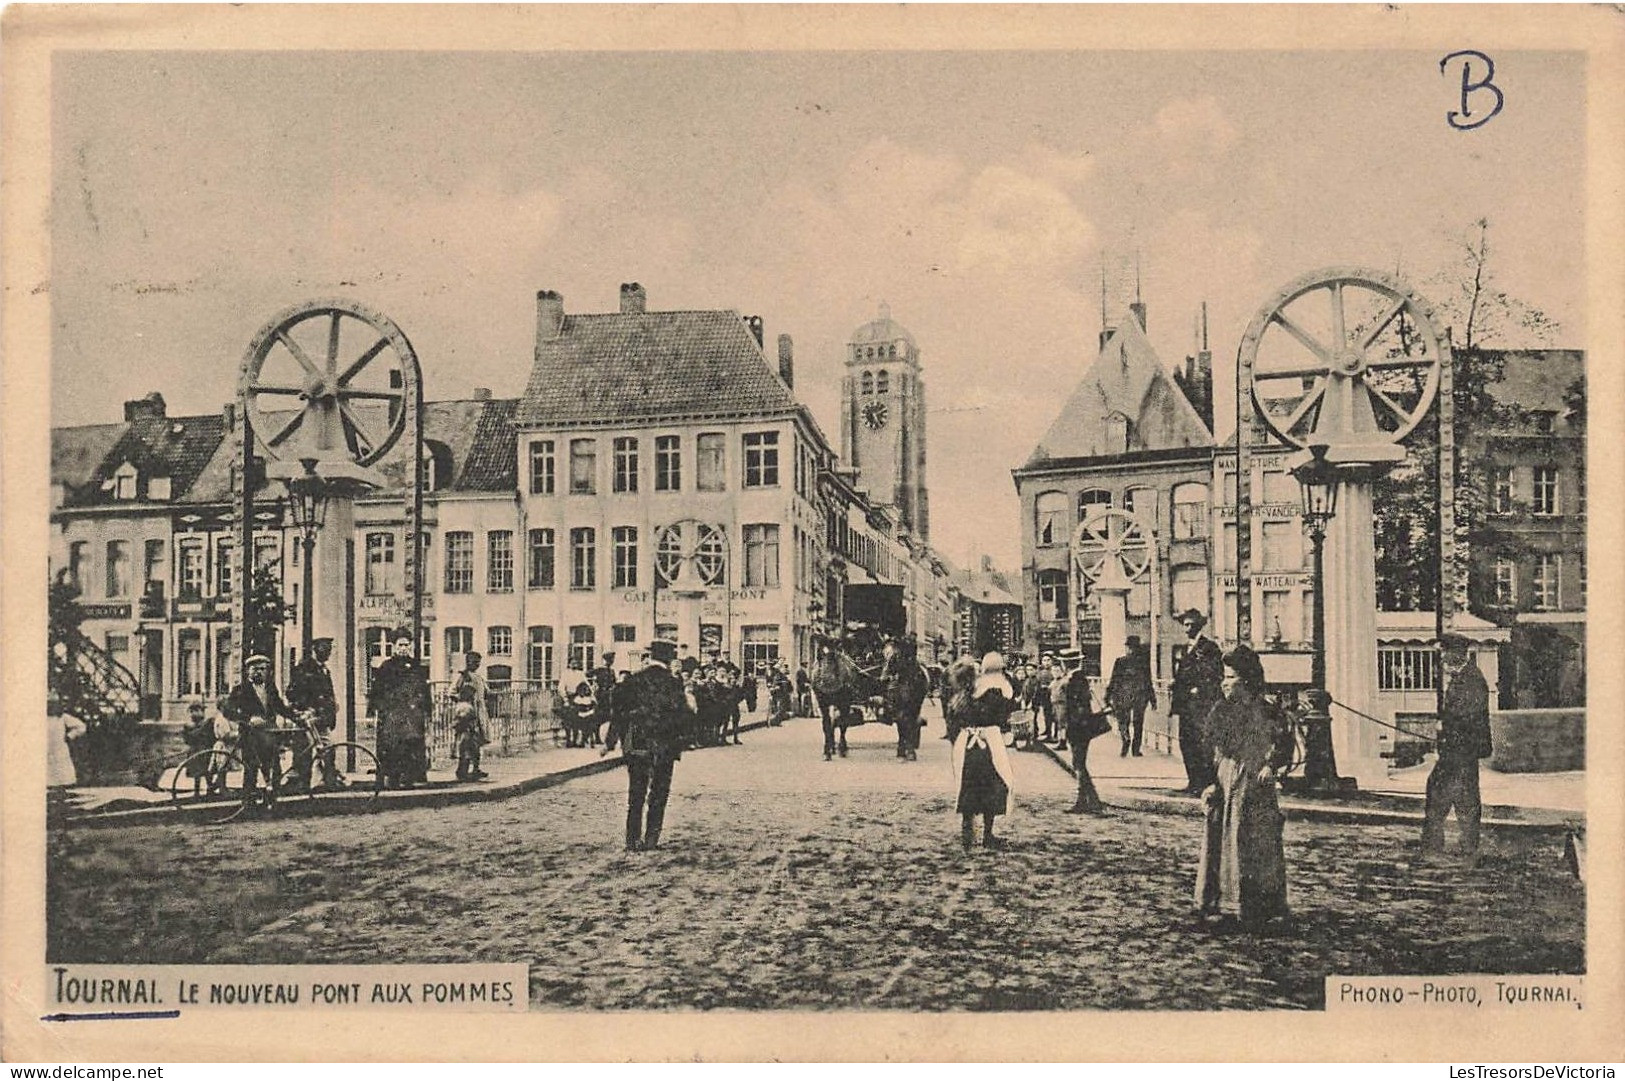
874 415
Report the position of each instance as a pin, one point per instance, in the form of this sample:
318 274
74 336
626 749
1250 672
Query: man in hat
255 705
1464 738
400 700
310 689
1081 723
1197 675
650 724
1129 692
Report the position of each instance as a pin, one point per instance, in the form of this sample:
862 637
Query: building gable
1128 379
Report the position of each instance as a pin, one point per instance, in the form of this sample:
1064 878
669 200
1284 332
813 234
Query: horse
840 687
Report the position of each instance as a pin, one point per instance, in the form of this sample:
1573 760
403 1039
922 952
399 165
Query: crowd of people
1233 739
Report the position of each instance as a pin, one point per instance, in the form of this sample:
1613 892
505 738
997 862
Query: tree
1471 304
264 609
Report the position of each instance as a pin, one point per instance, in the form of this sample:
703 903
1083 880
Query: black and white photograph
782 519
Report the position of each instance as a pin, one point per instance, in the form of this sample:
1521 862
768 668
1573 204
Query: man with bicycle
255 705
310 690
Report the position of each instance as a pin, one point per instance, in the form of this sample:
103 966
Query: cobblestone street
788 882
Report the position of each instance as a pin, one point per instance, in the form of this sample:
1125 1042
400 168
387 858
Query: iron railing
522 716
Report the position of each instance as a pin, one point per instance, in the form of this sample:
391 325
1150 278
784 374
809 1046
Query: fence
523 715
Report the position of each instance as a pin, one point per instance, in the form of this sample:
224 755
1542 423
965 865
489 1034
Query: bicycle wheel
211 780
354 774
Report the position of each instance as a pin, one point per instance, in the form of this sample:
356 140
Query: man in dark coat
255 705
1081 723
400 700
905 687
650 724
310 688
1129 692
1197 675
1464 738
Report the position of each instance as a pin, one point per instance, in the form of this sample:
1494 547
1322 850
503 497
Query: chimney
634 301
754 322
482 394
549 315
787 360
149 408
987 564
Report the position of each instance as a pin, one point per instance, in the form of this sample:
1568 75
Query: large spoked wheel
1112 540
338 769
1343 355
210 784
349 771
327 375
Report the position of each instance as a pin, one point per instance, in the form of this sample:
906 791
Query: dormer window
124 482
1117 434
158 488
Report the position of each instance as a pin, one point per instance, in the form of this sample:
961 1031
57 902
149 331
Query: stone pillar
1113 589
327 597
1351 633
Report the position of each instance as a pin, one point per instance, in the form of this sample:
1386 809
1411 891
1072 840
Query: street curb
390 801
1550 821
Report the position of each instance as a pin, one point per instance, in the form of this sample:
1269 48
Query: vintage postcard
814 533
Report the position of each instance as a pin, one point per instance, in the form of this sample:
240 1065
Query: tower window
868 382
883 383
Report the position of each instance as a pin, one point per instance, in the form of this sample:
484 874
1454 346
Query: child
468 736
586 715
199 736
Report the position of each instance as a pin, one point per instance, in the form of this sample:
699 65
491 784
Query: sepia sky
195 194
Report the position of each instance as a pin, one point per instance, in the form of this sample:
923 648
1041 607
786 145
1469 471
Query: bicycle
208 777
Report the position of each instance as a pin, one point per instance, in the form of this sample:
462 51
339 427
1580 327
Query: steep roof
491 464
77 452
1127 378
478 437
626 366
1537 379
173 447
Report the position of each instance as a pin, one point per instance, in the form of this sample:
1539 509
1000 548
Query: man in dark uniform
1130 692
254 705
310 688
1464 738
650 722
1197 675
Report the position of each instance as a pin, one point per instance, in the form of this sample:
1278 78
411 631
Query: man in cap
255 705
1197 675
1464 738
1129 692
310 689
650 723
603 687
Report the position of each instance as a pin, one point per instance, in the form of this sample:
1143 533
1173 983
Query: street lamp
1317 482
307 505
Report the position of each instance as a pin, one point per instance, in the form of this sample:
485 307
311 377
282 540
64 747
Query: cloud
1193 128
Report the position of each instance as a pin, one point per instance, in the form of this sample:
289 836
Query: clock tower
883 419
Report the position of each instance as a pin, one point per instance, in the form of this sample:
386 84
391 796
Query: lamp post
307 504
1317 482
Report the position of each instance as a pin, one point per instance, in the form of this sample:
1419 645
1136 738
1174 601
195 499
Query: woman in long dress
980 763
1242 872
401 702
